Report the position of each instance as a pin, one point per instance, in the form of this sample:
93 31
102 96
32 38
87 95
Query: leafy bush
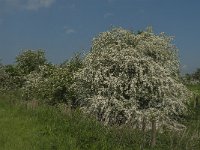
14 76
3 78
10 78
74 64
51 83
16 79
30 60
193 78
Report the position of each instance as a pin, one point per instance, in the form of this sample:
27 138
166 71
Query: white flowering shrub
30 60
132 78
13 76
50 85
10 78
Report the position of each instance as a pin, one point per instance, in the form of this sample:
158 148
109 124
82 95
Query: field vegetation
126 93
47 127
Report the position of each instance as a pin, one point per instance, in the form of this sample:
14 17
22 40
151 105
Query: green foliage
47 128
16 79
50 85
196 74
193 78
74 64
10 78
14 76
3 78
30 60
195 88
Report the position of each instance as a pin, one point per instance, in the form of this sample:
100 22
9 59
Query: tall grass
48 128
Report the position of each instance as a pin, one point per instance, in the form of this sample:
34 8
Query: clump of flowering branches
130 78
49 84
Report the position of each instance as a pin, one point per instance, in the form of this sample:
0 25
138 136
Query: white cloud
108 15
36 4
25 4
69 30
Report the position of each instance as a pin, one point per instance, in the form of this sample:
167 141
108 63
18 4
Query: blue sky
62 27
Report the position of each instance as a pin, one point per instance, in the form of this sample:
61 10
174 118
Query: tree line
192 78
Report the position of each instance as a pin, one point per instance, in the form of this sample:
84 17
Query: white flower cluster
50 84
10 79
132 78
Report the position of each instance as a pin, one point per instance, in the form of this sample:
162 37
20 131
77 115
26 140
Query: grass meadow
49 128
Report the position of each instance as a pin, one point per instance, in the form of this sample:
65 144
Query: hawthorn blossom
129 77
